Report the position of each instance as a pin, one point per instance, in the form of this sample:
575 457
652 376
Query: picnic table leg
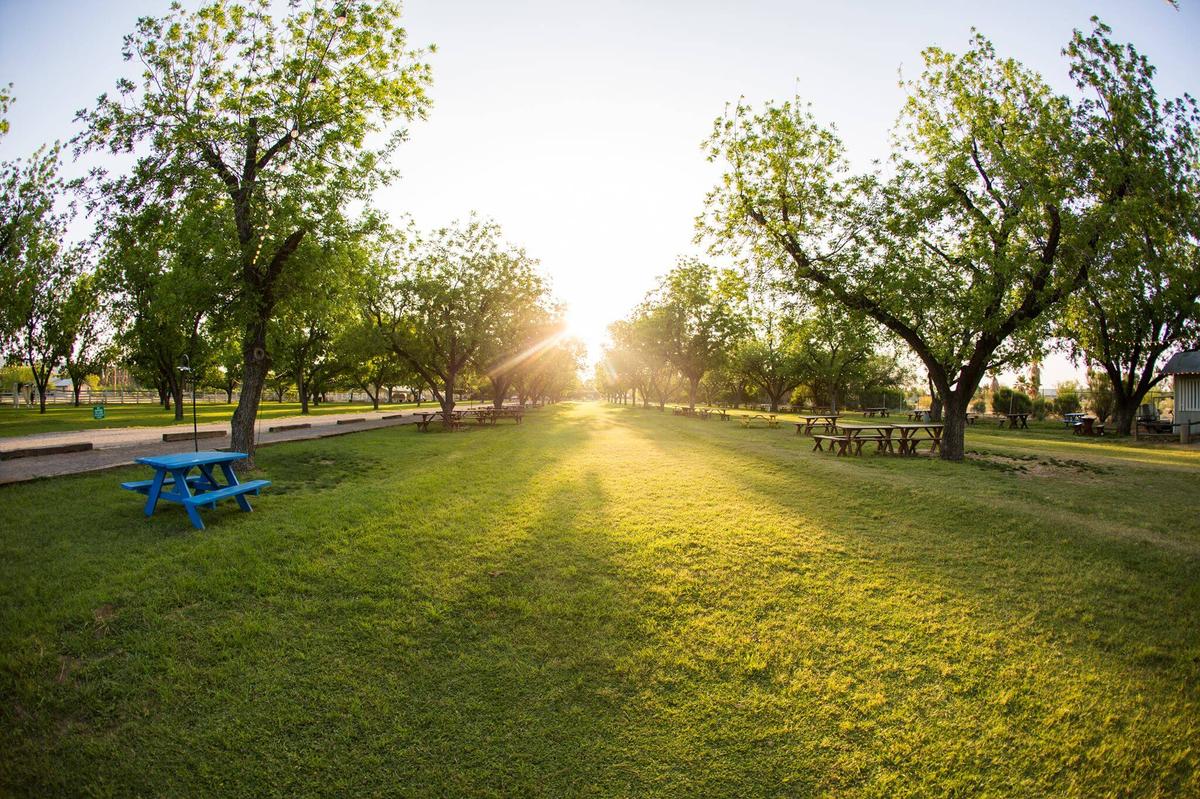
207 470
155 490
182 489
231 476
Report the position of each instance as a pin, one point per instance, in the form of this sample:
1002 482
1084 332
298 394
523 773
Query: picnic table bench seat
143 486
856 443
840 441
211 498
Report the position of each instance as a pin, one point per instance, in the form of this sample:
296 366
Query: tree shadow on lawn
1003 537
1002 617
204 631
557 672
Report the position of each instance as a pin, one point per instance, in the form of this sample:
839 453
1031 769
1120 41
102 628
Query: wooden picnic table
875 411
826 420
1015 420
918 414
456 419
747 419
908 440
173 483
858 434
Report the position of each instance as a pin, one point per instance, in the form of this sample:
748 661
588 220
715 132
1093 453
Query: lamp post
186 369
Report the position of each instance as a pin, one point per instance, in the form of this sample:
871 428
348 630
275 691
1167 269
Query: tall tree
170 291
317 306
280 117
835 347
770 355
990 220
550 372
695 313
84 331
1142 302
450 296
522 335
366 361
43 285
31 221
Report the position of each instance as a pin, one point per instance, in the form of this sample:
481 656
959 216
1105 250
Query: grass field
60 418
614 602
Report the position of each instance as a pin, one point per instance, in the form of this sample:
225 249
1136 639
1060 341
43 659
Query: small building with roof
1184 370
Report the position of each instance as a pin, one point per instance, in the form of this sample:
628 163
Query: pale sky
578 125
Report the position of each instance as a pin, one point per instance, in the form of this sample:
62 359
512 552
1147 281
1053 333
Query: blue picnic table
173 482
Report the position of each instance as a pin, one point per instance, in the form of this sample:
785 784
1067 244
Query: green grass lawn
614 602
59 418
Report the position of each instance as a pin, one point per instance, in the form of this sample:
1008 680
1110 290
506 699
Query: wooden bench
841 442
516 414
856 442
908 446
211 498
456 422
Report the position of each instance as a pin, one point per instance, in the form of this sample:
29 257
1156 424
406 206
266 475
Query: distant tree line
713 336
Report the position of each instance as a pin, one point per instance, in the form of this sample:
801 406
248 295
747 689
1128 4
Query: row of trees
236 239
714 334
1008 215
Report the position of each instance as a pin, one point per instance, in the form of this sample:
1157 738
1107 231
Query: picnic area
622 590
615 401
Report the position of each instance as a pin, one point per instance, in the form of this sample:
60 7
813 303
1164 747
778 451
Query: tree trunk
499 390
254 375
955 429
76 387
935 402
693 384
447 402
229 394
1125 412
177 394
303 389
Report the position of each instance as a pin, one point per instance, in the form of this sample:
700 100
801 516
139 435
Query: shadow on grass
201 637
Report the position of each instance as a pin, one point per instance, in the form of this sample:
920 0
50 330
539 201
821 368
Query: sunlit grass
614 602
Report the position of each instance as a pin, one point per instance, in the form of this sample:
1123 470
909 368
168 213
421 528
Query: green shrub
1039 408
979 406
1067 400
1008 401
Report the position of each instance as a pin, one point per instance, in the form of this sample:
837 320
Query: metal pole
195 432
